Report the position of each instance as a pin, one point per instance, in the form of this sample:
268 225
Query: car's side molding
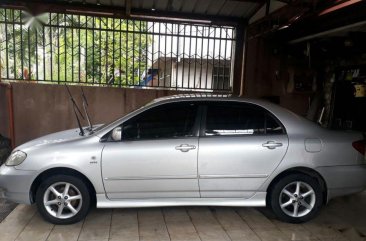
257 200
188 177
150 177
235 176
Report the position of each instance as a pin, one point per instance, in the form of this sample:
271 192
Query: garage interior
308 56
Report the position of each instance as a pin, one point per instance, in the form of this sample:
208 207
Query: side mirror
117 134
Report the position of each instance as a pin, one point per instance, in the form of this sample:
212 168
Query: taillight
360 146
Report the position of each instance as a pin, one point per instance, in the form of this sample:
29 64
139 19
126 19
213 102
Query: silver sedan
187 150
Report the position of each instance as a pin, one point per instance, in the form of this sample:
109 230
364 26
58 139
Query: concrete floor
343 219
5 208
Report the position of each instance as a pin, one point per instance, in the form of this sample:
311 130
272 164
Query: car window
166 121
239 119
272 126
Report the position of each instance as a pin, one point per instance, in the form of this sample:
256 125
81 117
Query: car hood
53 138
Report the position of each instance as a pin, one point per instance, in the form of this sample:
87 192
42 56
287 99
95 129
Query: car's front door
240 146
157 156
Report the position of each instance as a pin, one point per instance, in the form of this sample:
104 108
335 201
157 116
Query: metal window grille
69 48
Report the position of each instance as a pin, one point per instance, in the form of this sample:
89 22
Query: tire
74 204
297 206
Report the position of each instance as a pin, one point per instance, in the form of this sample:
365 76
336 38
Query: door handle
272 144
185 147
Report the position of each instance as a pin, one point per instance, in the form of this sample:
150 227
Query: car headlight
16 158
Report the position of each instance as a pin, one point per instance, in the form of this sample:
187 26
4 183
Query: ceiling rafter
128 7
39 6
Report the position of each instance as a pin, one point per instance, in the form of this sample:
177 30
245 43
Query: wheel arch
60 170
303 170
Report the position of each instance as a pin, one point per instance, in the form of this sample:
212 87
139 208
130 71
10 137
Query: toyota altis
189 150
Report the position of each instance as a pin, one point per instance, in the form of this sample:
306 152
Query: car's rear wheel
63 199
296 198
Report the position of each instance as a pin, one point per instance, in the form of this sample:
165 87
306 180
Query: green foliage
73 48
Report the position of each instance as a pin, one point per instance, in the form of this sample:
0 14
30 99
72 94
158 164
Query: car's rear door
239 146
157 157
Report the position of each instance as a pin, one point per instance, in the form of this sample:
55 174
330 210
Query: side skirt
257 200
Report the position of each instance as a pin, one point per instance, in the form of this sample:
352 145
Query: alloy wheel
62 200
297 199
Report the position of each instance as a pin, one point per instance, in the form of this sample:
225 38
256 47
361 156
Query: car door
240 146
157 156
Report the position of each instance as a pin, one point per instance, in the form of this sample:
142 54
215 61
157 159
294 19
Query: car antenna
85 105
76 108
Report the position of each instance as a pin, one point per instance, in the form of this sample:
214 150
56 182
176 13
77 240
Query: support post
9 95
238 70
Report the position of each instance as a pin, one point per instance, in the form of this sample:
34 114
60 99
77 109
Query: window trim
264 110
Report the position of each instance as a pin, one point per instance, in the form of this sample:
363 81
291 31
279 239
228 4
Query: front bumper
15 184
344 180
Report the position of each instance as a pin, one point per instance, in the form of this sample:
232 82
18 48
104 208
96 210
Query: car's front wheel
296 198
63 199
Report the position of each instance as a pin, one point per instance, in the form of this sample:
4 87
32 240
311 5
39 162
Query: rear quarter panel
335 146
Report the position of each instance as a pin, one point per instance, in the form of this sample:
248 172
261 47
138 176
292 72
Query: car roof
193 96
211 97
208 97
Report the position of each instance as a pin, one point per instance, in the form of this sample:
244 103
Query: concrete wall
40 109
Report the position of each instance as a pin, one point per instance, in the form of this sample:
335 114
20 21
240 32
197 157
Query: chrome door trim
234 176
150 177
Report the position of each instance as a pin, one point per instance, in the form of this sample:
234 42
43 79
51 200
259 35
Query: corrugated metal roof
220 8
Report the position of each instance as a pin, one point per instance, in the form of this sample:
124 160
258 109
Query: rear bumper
15 184
343 180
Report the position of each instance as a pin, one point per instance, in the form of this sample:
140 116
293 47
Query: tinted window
167 121
239 119
272 126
